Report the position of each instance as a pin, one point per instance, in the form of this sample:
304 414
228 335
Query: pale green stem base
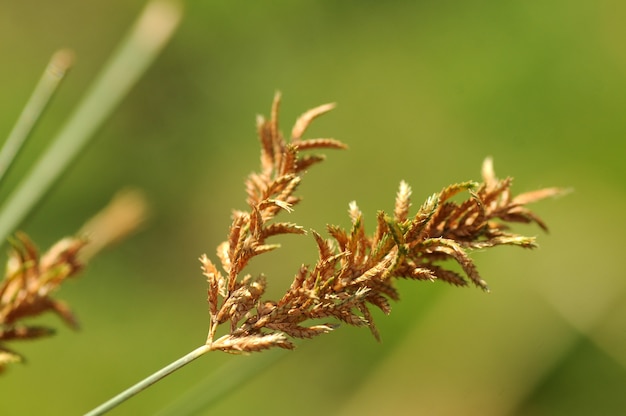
148 381
224 380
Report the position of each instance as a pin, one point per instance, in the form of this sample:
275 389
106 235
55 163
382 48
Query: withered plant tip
32 278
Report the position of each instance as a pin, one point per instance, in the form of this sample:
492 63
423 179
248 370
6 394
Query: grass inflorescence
355 271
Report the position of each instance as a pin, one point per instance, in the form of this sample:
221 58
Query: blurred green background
425 91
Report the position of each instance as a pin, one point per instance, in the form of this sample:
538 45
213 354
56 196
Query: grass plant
355 270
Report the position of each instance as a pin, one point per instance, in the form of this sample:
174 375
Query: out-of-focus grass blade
149 35
58 66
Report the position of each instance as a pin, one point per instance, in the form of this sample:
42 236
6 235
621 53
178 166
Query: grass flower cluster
354 271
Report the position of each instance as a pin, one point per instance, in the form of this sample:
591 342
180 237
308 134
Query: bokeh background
425 91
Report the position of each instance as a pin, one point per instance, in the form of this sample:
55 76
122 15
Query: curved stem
148 381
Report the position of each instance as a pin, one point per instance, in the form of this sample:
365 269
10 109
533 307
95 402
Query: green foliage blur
425 91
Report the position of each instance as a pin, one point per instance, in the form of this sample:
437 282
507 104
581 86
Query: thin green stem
151 32
148 381
58 66
221 382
